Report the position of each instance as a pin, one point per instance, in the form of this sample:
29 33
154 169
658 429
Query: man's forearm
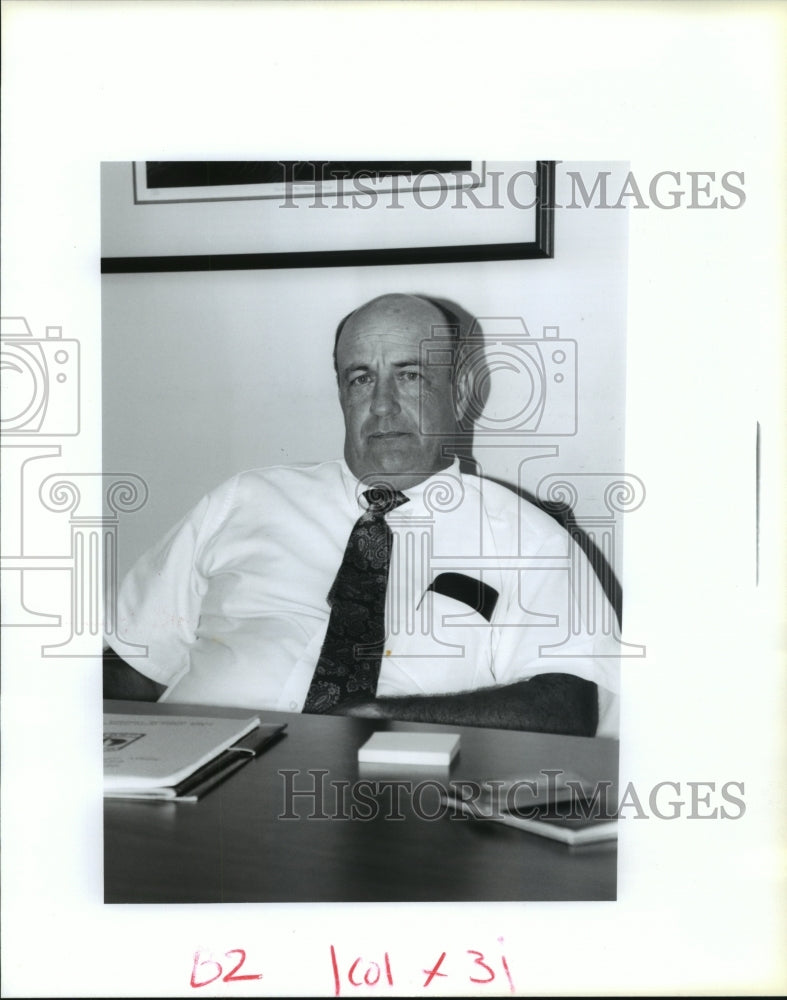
547 703
123 682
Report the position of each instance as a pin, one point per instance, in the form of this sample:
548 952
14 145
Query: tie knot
382 499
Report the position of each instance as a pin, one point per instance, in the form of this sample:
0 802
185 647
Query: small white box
409 748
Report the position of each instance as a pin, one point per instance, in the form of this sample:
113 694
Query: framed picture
170 181
237 215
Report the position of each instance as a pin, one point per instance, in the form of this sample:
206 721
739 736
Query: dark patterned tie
349 663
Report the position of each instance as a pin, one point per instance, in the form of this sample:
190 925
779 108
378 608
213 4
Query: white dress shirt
484 589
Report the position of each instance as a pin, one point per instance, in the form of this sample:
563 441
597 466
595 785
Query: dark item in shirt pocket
475 593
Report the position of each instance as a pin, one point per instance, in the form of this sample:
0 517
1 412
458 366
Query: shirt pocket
445 649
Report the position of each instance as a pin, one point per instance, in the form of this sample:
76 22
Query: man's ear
463 391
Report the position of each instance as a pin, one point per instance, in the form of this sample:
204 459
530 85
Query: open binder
178 758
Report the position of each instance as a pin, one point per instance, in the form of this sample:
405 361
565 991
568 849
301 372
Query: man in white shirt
482 623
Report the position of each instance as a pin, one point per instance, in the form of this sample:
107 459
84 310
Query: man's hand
547 703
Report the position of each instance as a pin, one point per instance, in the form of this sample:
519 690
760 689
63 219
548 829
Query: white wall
206 374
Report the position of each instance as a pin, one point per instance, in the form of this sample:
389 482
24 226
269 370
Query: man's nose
385 400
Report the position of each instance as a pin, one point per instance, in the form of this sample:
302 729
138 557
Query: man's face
398 411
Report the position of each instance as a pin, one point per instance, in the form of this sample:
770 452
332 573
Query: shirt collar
442 490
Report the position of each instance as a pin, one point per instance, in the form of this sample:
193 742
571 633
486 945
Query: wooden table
233 845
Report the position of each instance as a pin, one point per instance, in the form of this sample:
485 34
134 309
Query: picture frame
331 221
172 181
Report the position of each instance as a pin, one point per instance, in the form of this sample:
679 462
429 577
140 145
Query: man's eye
410 376
363 379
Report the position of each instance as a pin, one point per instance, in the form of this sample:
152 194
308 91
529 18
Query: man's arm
124 682
546 703
158 607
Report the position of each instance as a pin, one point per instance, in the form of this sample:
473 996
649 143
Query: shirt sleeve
555 618
158 604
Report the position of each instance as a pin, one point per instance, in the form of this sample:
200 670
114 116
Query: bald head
434 314
397 396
